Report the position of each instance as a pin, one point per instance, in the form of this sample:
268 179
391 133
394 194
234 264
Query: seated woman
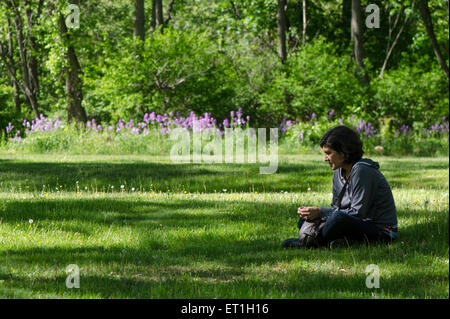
363 207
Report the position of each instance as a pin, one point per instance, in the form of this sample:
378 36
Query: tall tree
357 38
390 46
139 19
27 48
157 18
281 23
74 83
32 59
305 23
13 69
153 17
236 11
346 21
139 33
428 22
169 13
159 13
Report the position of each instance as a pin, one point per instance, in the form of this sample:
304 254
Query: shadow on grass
190 177
224 283
261 221
294 177
242 263
185 213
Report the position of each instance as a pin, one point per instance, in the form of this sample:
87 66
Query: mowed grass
206 230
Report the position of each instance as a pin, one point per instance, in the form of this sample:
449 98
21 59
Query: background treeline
274 59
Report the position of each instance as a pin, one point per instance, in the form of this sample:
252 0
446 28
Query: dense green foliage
216 56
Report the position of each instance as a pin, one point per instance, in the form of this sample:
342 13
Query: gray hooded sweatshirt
368 195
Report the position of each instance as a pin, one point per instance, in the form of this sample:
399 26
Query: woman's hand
309 213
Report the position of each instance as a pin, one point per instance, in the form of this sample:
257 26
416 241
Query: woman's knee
338 217
337 223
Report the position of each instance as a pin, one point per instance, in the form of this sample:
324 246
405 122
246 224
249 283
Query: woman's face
335 159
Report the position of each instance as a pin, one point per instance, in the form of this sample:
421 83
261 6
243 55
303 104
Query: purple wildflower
9 128
330 114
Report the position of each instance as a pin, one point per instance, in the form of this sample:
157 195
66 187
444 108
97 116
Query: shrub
377 139
409 94
315 80
171 71
151 135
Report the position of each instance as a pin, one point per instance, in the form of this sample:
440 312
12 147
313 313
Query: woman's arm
362 183
325 211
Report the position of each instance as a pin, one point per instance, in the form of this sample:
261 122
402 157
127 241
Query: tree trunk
281 21
74 87
169 13
31 58
304 22
16 97
390 47
28 64
139 19
357 37
346 21
74 82
236 11
139 33
153 17
13 76
428 22
25 89
159 13
29 69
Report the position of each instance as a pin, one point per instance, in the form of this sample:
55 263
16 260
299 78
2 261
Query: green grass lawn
206 231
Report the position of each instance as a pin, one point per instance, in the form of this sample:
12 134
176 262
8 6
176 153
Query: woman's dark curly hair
344 140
